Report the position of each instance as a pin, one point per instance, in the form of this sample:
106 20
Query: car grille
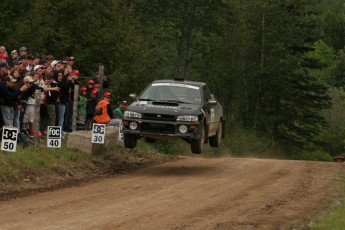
157 128
158 117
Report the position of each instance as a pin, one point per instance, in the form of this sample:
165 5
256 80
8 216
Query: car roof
180 81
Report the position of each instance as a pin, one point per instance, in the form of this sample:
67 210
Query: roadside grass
334 220
36 161
42 163
334 217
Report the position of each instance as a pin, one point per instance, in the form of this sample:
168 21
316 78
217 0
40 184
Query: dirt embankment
191 193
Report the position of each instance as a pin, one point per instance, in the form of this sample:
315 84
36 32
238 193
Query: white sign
98 133
121 132
54 137
9 139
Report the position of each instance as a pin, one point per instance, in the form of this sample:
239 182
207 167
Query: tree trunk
259 93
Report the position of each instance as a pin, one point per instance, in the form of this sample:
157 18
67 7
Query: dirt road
191 193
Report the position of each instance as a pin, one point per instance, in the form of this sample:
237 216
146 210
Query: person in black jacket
91 95
69 108
51 99
8 98
64 83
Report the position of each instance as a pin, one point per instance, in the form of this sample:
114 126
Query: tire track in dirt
192 193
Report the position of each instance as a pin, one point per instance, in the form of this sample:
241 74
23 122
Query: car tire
216 139
130 141
197 145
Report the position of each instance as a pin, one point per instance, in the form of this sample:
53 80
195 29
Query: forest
276 66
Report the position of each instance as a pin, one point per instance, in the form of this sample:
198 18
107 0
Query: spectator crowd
23 74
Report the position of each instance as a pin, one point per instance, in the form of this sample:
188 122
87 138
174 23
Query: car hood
165 108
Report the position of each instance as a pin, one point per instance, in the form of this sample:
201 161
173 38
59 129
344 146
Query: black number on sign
54 143
97 139
8 145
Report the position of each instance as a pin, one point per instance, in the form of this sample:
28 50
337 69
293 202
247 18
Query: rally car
171 109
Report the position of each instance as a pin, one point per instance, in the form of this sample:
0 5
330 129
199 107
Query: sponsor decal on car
163 107
176 84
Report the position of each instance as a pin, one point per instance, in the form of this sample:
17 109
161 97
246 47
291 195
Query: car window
208 94
177 92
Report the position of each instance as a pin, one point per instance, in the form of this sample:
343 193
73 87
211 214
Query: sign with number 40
54 137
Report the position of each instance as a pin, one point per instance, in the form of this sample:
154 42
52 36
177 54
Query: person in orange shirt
103 111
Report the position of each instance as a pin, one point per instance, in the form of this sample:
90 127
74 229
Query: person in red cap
103 111
3 57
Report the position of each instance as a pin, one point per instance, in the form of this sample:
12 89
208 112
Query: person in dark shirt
4 67
9 98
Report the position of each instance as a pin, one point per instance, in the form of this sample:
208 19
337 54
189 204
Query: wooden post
75 108
101 75
37 114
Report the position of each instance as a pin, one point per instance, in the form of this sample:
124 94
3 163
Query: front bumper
162 128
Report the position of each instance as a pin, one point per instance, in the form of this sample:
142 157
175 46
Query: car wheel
130 141
216 139
197 145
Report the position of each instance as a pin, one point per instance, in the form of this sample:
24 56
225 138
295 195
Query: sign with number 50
9 139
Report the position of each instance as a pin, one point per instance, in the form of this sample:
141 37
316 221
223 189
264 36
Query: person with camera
51 99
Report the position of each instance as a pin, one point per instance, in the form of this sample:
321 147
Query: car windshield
172 92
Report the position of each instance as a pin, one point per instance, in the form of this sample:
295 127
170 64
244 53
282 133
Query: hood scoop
165 103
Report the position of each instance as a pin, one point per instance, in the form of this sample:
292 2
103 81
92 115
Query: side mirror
133 96
212 102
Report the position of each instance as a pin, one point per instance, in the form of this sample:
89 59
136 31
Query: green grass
334 220
335 217
37 161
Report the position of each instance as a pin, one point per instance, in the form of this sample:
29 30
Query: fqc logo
98 133
54 137
9 139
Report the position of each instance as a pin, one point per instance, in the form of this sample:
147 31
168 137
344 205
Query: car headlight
131 114
187 118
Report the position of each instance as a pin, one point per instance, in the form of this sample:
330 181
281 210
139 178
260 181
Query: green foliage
317 155
333 135
339 70
243 142
323 58
269 67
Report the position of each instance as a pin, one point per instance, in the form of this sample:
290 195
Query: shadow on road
181 170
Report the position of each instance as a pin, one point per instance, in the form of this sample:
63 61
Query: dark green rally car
171 109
